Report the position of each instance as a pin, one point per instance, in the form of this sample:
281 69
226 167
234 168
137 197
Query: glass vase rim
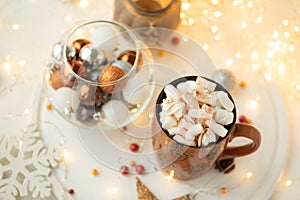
92 21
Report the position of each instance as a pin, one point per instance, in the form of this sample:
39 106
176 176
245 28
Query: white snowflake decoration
26 167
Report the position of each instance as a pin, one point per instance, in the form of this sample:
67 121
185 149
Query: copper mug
187 162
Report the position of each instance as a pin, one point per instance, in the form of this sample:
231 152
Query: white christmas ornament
115 113
65 100
106 39
26 167
135 91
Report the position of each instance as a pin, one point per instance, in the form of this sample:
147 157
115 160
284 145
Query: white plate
262 168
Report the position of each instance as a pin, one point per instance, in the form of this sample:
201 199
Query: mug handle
241 130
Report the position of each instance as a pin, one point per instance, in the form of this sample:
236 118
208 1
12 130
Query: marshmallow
223 116
186 123
193 131
171 92
206 84
223 99
190 100
217 128
176 130
189 87
199 113
169 122
166 105
203 97
177 110
209 137
207 108
186 87
162 116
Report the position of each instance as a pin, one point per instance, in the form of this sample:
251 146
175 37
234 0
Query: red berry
71 191
140 169
243 119
175 40
124 170
124 128
134 147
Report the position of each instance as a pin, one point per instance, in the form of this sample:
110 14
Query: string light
68 18
115 190
244 25
259 20
182 15
249 175
218 13
205 47
217 37
268 76
84 3
170 177
282 69
22 63
238 55
65 155
229 62
7 66
214 28
288 183
26 111
254 55
253 104
15 27
267 62
236 3
250 4
285 22
185 5
215 2
191 21
255 67
287 35
292 48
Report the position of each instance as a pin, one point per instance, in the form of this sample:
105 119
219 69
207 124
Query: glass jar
99 74
148 13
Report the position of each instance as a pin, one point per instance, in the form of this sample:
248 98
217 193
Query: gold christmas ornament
111 74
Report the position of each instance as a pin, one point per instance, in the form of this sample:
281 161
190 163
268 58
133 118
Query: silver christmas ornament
97 116
92 57
57 52
71 52
225 78
93 75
